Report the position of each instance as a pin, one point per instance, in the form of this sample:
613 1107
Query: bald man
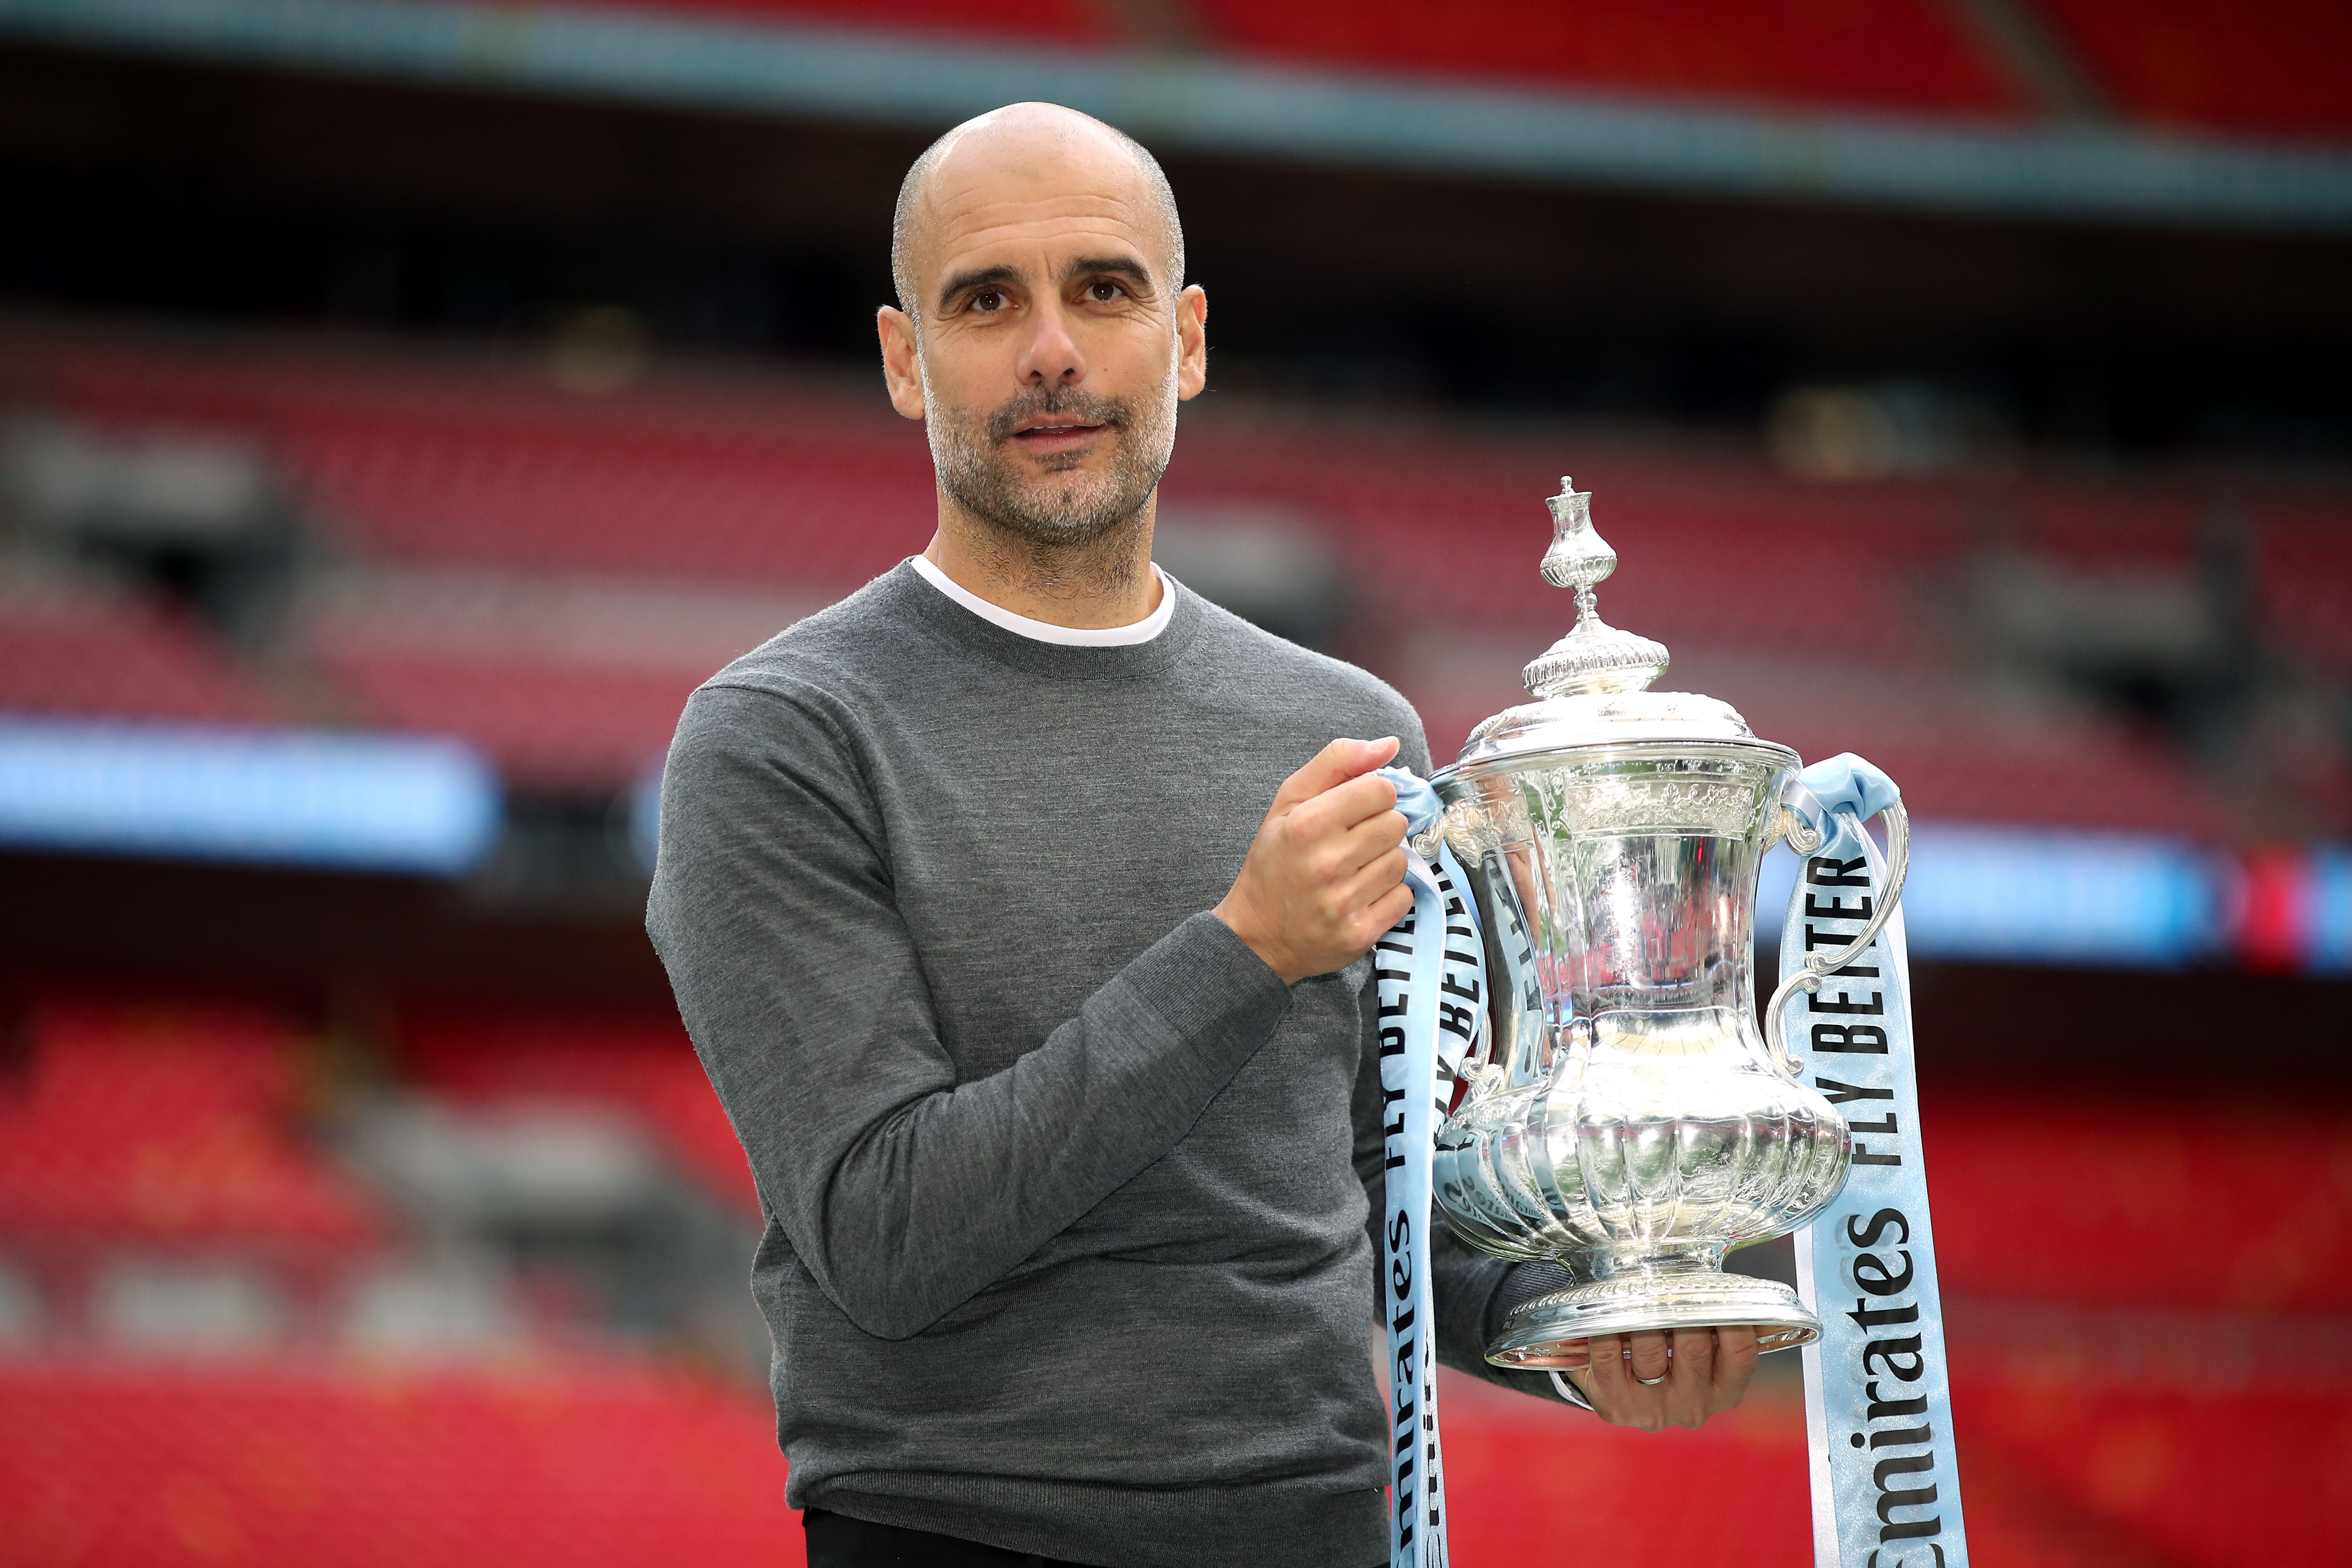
1045 1036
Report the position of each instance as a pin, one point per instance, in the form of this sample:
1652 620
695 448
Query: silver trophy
1623 1113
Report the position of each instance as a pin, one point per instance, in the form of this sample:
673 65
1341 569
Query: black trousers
836 1541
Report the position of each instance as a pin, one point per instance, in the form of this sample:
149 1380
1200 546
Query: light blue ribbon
1431 975
1878 1414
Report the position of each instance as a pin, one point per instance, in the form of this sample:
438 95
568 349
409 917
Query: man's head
1043 332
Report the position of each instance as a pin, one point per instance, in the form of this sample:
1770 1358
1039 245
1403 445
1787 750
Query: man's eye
1103 291
987 299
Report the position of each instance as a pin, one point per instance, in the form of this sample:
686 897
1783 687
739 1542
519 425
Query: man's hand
1325 875
1708 1372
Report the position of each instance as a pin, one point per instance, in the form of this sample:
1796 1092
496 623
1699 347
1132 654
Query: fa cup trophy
1624 1114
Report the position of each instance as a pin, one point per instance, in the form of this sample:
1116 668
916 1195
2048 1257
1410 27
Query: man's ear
1192 341
899 370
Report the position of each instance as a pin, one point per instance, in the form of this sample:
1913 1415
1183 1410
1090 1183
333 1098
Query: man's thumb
1332 766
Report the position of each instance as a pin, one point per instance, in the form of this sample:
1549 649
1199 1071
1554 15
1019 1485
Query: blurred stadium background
402 405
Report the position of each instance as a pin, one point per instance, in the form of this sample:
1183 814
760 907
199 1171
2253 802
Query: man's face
1051 347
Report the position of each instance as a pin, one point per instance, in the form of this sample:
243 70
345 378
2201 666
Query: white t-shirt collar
1142 631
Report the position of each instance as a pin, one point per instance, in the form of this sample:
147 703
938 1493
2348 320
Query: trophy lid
1591 688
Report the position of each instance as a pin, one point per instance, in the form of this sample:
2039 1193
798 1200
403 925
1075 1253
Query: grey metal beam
2060 171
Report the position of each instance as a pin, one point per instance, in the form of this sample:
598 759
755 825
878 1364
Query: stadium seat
2220 1480
2143 1203
550 726
1053 21
1909 55
168 1126
581 1463
81 656
2267 66
793 489
643 1068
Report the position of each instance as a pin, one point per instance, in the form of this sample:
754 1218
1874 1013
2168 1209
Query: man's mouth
1050 433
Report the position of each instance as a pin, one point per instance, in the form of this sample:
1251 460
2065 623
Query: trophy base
1548 1332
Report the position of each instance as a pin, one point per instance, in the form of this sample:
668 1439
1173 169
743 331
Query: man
1045 1037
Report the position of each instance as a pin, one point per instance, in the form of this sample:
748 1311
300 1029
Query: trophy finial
1594 657
1578 557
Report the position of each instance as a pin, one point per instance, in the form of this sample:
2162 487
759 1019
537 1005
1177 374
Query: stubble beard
1068 509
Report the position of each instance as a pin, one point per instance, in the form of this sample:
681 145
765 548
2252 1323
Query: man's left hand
1707 1371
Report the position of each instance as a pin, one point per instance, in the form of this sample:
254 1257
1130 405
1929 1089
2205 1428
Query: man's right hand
1325 875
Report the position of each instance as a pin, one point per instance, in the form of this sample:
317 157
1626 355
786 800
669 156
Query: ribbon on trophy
1430 973
1878 1414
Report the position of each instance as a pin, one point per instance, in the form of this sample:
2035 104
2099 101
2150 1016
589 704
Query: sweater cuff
1524 1282
1206 986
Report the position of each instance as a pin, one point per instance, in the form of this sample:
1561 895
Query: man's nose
1050 357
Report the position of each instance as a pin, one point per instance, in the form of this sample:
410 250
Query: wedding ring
1651 1381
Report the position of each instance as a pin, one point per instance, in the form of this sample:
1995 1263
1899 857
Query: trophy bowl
1623 1115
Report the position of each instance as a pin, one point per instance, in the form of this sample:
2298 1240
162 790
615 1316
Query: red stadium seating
1908 54
2120 1203
2231 1481
2119 1359
492 469
783 487
168 1126
82 658
1048 21
566 1465
549 725
643 1068
2255 65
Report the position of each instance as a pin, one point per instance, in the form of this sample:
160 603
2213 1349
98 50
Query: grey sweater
1065 1191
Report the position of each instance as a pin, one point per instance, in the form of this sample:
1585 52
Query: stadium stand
644 1068
2109 1352
1052 21
170 1126
548 726
800 492
1909 55
66 650
2275 66
2267 68
2100 1221
128 1464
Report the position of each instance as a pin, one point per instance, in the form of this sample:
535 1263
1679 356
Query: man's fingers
1380 890
1376 838
1615 1394
1346 806
1605 1360
1690 1377
1694 1357
1385 912
1736 1356
1335 764
1649 1354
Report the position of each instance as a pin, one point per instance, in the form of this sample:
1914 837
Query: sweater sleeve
904 1191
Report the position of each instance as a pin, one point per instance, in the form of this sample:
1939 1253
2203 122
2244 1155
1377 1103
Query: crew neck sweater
1144 630
1064 1191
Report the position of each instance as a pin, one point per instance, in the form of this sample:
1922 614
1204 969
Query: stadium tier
1909 54
96 655
577 1464
2269 67
547 575
1052 21
172 1129
2274 66
643 1068
2123 1339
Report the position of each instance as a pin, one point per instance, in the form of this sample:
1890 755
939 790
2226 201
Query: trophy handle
1820 965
